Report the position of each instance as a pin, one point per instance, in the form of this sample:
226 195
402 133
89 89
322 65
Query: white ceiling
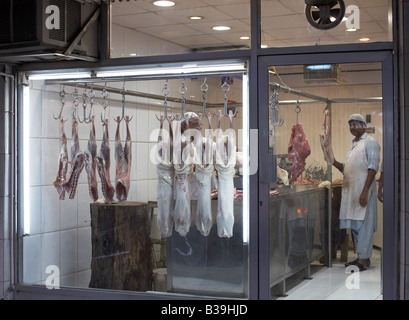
283 23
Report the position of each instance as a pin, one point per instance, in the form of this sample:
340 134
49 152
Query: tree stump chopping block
121 246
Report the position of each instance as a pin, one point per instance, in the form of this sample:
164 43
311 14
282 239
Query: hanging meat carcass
326 139
203 173
298 150
123 157
165 172
182 163
224 164
103 165
78 162
62 164
90 163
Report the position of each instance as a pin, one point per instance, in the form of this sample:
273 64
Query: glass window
307 101
139 28
159 210
286 23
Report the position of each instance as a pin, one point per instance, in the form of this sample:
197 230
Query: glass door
306 104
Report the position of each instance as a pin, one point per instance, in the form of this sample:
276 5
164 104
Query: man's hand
363 199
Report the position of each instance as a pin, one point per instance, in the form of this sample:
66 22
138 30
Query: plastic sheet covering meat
182 157
224 164
203 173
165 172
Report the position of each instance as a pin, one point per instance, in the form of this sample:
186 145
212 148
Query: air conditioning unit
323 73
25 34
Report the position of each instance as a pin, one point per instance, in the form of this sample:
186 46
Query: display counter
299 230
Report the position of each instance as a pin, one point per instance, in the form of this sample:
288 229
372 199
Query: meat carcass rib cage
62 164
103 165
123 157
90 163
298 150
78 162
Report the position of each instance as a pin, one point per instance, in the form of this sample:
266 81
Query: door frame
390 256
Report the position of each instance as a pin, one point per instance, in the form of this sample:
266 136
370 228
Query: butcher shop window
135 181
304 23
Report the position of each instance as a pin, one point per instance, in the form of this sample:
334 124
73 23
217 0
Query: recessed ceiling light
364 39
164 3
196 18
244 38
351 30
263 46
221 28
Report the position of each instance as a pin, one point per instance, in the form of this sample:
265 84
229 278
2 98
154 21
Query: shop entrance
309 103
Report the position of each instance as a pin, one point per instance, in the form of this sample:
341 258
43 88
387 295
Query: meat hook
105 103
183 90
75 103
165 92
123 93
275 108
63 101
84 106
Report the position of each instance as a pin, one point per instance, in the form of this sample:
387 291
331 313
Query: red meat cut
298 150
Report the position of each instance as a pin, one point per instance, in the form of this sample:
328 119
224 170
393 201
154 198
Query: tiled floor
335 284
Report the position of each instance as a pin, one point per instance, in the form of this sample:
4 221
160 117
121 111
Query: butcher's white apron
355 174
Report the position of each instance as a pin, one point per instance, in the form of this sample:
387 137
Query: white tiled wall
60 231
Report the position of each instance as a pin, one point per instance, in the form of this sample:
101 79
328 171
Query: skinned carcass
123 160
90 164
326 139
78 162
62 164
103 164
298 150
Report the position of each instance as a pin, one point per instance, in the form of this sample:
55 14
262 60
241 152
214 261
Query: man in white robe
358 205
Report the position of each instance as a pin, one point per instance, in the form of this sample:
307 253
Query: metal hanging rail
146 95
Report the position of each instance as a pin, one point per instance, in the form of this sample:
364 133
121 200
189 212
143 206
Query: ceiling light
164 3
364 39
244 38
221 28
196 18
351 30
263 46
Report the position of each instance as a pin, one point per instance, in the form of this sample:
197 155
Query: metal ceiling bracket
86 27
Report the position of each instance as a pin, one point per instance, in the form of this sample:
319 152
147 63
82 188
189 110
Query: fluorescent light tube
58 76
